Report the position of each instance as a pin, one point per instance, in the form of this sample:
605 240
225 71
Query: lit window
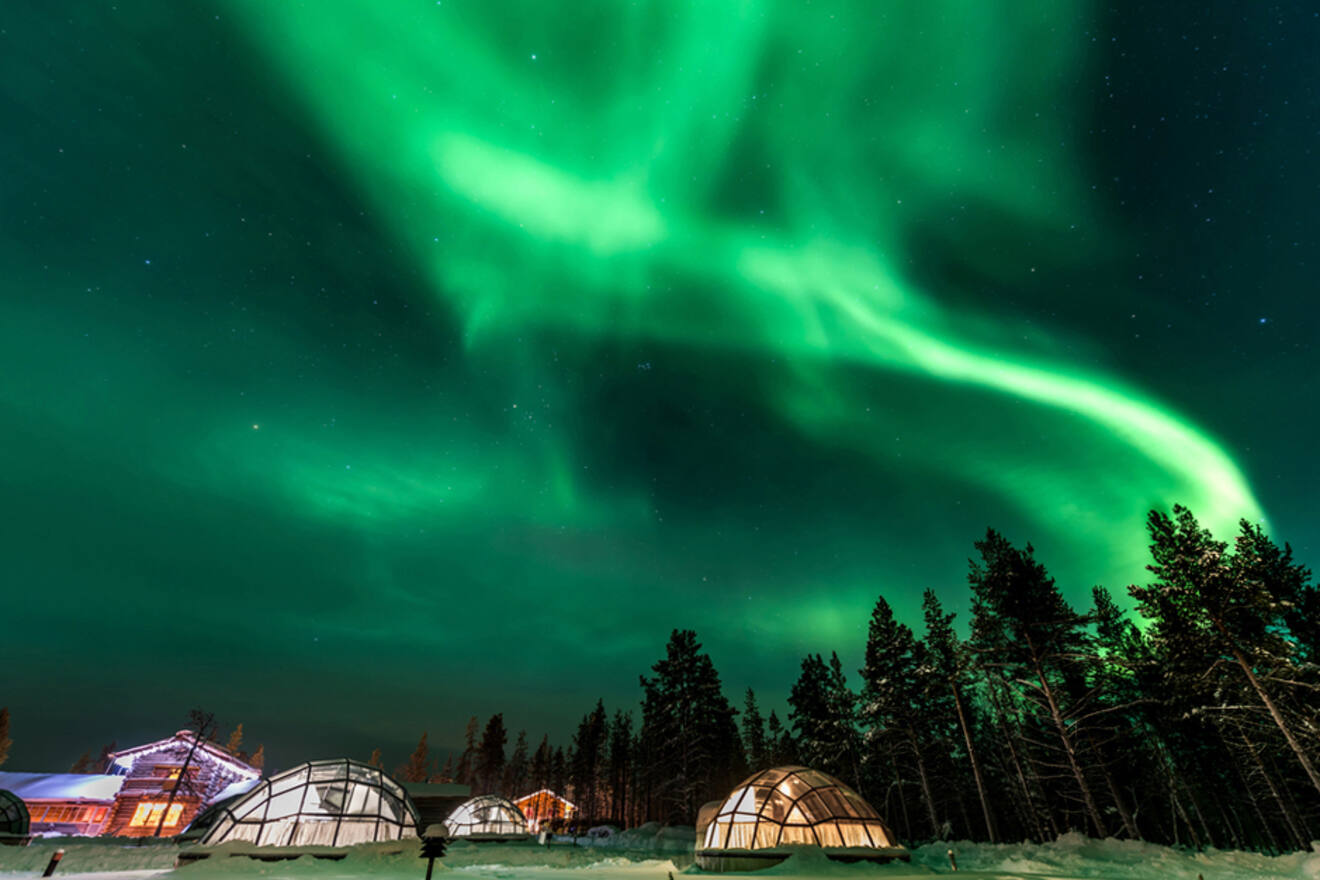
148 814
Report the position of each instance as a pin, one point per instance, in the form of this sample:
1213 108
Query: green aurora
388 363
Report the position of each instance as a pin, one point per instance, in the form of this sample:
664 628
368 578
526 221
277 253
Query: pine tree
540 769
466 770
83 764
258 759
5 741
588 753
490 755
515 773
1022 625
418 767
558 771
1234 605
891 681
620 765
688 726
235 740
823 715
947 668
375 760
753 733
780 746
103 762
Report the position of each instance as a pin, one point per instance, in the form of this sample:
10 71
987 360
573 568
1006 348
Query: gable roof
125 758
545 791
62 786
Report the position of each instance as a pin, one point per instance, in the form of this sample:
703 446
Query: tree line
1197 723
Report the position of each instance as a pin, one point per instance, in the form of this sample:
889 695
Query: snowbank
1072 857
90 855
1077 856
649 838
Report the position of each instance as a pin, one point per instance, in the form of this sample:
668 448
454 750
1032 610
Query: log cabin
153 772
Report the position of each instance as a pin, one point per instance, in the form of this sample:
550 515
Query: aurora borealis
374 365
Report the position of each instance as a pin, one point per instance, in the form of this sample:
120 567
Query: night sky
365 366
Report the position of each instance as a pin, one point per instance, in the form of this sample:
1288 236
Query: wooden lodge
156 787
65 803
544 806
132 797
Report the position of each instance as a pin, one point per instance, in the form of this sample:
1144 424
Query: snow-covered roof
235 788
62 786
126 757
547 792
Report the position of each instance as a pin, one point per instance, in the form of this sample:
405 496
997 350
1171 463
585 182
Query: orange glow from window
148 814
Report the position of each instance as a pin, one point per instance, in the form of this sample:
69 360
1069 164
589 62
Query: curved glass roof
322 803
487 814
13 814
787 806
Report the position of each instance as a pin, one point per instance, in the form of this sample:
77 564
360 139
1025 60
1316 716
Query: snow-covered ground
1072 857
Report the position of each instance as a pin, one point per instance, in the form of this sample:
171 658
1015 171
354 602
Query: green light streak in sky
744 177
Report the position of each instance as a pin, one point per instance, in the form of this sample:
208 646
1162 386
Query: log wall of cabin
149 781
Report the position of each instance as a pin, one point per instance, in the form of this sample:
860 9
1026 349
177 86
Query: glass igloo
322 803
13 814
487 817
793 806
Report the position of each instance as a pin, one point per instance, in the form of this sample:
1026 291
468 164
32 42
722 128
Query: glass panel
327 772
795 834
776 807
828 834
814 778
793 786
861 807
364 774
814 807
289 803
744 800
354 831
880 835
767 835
314 832
289 782
854 834
835 803
247 807
741 835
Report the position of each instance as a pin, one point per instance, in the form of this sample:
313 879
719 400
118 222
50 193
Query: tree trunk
1068 746
902 798
1292 802
1175 783
1260 814
1191 829
1129 824
1273 710
1274 792
925 783
976 764
1032 815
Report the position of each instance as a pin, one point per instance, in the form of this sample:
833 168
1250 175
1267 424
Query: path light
434 841
53 863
